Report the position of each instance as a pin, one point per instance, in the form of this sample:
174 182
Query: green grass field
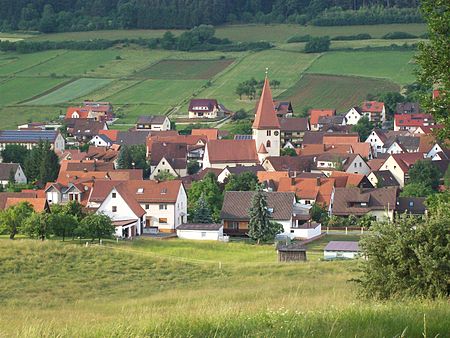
337 92
393 65
11 63
71 91
185 69
177 288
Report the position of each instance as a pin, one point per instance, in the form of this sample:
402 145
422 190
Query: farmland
177 288
336 92
140 81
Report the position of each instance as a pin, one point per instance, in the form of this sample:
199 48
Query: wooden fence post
346 230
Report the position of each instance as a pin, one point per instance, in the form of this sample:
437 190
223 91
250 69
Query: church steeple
266 117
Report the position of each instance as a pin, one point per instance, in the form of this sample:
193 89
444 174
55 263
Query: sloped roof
406 160
372 106
174 153
5 195
385 179
157 119
200 226
293 123
266 117
407 108
314 114
412 120
82 112
291 163
413 205
210 133
39 204
342 246
351 179
111 134
6 169
27 136
209 103
232 151
317 189
237 204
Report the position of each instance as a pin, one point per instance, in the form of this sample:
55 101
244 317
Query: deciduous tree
12 218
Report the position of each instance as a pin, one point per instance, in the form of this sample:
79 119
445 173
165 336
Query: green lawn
393 65
177 288
71 91
337 92
19 89
11 63
12 116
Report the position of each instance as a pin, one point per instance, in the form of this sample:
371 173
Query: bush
318 45
398 35
363 36
299 38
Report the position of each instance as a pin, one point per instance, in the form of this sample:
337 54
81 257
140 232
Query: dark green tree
246 181
318 45
426 173
193 167
14 153
96 226
133 157
38 225
364 127
202 211
42 164
13 218
63 225
416 189
260 227
319 214
210 189
288 152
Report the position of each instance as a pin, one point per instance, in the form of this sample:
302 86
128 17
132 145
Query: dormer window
140 191
164 191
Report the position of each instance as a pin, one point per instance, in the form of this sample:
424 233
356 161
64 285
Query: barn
293 252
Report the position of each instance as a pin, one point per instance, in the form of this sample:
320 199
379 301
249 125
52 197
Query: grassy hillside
176 288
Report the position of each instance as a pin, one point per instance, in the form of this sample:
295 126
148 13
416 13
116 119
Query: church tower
266 127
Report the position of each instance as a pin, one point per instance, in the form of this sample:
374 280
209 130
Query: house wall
352 117
260 136
384 215
376 143
206 114
394 149
202 235
19 176
53 196
98 142
340 254
305 233
164 165
59 144
433 151
395 170
358 166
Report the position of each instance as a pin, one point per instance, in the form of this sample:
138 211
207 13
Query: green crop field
393 65
70 91
338 92
190 289
11 63
18 89
185 69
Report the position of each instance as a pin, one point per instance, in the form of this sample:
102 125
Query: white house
350 163
399 165
101 141
156 123
10 170
306 231
353 115
341 250
202 232
205 108
377 140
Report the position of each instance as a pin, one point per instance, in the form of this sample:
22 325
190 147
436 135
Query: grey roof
410 143
237 204
294 124
157 119
27 136
413 205
336 119
408 108
6 168
313 137
342 246
291 163
242 169
200 226
132 137
295 246
385 179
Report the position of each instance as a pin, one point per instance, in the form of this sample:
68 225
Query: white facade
99 142
352 117
396 171
201 235
305 232
340 254
394 148
433 151
164 166
19 177
376 143
358 166
270 138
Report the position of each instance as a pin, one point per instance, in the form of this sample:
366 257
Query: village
310 170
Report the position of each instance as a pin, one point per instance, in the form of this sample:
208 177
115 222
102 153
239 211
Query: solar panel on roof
242 137
27 135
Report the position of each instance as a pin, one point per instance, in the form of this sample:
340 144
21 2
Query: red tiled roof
266 117
234 151
406 160
318 189
314 114
334 138
372 106
82 112
38 204
412 120
351 179
111 134
210 133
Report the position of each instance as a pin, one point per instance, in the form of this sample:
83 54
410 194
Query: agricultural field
331 91
70 91
179 288
11 63
393 65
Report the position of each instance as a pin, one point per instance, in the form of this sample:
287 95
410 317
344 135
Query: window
356 164
268 144
233 225
163 207
269 133
114 208
360 164
147 206
203 234
162 220
140 191
114 195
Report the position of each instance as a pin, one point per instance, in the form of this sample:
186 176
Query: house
283 108
195 144
235 212
103 154
309 190
378 202
164 203
30 138
230 153
227 171
85 129
399 165
158 122
291 252
377 139
125 212
407 108
321 137
384 178
315 114
353 115
293 129
292 164
204 108
97 111
12 171
375 111
39 204
168 157
204 232
411 122
348 180
101 141
327 122
266 126
209 133
438 152
350 163
411 205
341 250
133 138
402 144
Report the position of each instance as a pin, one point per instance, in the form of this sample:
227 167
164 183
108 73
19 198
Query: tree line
83 15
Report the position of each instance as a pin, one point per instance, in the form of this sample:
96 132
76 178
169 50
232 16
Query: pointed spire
266 117
262 149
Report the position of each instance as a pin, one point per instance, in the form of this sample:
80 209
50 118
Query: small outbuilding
341 250
200 231
293 252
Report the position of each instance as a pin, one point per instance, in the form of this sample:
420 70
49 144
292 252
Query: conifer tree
202 211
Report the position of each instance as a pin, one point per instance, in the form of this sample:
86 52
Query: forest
84 15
